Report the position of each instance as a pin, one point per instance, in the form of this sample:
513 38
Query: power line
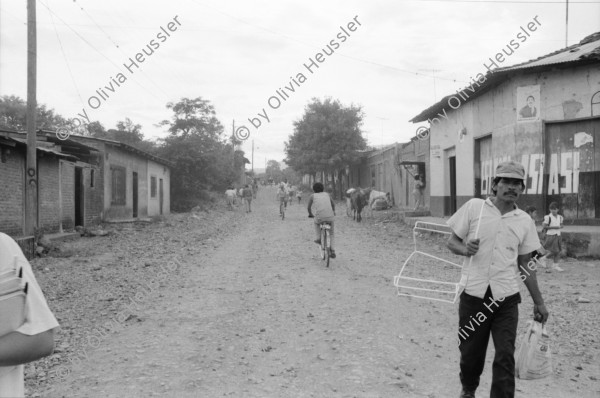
62 50
312 46
508 1
95 49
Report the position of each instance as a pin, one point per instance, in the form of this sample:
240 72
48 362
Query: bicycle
325 246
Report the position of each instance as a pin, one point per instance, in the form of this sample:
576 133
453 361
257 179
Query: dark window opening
118 185
92 178
152 187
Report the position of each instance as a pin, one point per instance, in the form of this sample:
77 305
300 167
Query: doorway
572 168
160 195
135 194
79 196
452 169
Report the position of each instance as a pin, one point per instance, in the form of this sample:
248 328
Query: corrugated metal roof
569 54
42 148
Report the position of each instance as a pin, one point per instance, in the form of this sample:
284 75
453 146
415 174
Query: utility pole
31 173
433 76
252 158
567 26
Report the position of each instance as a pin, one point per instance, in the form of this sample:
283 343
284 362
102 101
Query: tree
97 130
13 114
203 156
326 138
128 132
273 169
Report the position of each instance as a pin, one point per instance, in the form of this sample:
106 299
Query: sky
396 58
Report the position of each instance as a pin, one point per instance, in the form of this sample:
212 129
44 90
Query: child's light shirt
38 319
553 221
321 207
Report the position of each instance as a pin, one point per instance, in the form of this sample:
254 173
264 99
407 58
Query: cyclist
324 212
282 196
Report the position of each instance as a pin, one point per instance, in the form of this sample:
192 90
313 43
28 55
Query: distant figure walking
552 225
247 196
230 196
418 192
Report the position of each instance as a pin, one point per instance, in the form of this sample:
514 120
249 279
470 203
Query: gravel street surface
228 303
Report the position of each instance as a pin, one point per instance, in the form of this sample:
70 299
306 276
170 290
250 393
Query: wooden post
31 179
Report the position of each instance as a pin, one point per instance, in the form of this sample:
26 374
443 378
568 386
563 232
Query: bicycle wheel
322 245
326 245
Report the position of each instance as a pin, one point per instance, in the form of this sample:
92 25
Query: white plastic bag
533 359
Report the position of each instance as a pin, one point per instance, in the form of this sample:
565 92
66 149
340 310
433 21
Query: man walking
499 237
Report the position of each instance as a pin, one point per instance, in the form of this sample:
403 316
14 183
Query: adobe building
66 177
544 113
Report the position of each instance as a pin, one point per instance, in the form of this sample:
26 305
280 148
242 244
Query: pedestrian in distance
418 192
324 211
500 239
247 195
539 256
230 195
34 339
254 189
553 223
299 195
281 196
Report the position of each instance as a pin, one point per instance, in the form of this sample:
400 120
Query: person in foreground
505 239
324 212
35 338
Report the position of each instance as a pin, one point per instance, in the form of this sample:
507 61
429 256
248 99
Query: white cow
349 201
377 195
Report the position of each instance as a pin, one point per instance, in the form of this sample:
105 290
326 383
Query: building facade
544 114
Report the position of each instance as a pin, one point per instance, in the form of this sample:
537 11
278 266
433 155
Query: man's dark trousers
501 321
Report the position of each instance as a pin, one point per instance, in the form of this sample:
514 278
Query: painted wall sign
563 173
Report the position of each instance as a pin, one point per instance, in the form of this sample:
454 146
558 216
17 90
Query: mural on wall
563 173
528 100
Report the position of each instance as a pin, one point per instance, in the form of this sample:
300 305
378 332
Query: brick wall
11 191
48 203
68 194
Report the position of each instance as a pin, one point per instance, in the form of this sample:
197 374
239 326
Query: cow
359 199
349 201
373 196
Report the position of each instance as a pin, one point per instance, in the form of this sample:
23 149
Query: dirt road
235 304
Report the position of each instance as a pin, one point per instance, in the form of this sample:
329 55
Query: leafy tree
273 170
203 156
97 130
13 114
128 132
326 138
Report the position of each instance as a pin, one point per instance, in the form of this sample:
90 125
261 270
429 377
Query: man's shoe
331 253
317 241
557 268
467 394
